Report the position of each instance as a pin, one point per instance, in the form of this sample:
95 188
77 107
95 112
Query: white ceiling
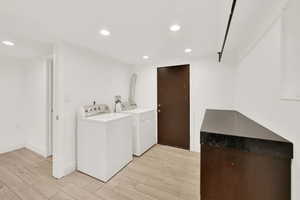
24 48
138 27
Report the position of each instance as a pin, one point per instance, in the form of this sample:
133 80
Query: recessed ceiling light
175 27
145 57
104 32
8 43
188 50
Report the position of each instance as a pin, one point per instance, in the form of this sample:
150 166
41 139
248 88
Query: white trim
59 165
49 139
11 148
70 167
36 150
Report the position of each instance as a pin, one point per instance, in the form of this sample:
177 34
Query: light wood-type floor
162 173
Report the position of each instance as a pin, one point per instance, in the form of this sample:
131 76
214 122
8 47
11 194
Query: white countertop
108 117
138 110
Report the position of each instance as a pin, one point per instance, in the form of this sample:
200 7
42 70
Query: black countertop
231 129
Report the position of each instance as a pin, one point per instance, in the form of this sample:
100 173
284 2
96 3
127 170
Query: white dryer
144 129
104 141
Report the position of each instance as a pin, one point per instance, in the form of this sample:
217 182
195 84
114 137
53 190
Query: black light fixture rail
220 53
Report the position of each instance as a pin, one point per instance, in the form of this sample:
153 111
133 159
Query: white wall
87 77
35 102
23 105
211 86
291 49
258 93
12 135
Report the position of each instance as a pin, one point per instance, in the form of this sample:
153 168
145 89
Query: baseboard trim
11 148
60 169
70 167
36 150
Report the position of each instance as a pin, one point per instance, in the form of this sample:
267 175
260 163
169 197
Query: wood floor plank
28 193
25 161
161 184
9 179
134 175
108 193
162 173
43 169
94 186
7 194
132 193
23 173
30 155
77 178
159 194
77 193
61 196
46 187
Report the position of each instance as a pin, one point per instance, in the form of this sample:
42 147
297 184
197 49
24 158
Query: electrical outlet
18 126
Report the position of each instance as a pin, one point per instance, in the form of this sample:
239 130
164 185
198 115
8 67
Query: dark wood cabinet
219 169
241 160
229 174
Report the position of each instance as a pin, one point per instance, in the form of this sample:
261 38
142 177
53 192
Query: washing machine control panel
96 109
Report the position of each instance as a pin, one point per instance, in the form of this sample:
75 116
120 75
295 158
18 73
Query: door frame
58 160
189 101
50 84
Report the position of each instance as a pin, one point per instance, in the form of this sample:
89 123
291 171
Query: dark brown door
173 99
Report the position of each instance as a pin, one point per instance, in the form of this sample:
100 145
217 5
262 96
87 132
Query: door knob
158 105
158 110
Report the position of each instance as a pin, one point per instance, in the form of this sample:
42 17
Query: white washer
144 129
104 141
